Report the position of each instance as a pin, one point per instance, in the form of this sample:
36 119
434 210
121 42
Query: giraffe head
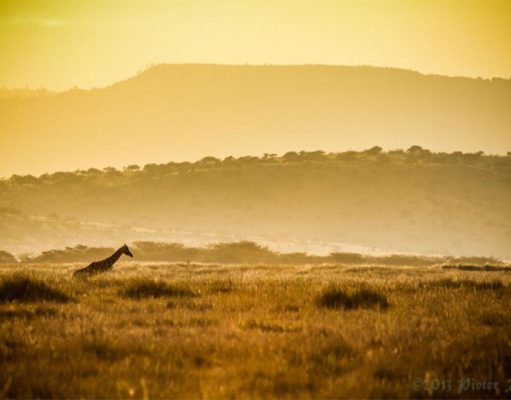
127 251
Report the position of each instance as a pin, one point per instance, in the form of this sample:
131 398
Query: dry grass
199 331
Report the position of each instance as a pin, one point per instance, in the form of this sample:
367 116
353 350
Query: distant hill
23 93
414 201
185 112
245 252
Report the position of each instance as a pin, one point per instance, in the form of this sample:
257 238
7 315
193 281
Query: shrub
28 314
143 288
493 319
104 349
252 324
348 258
493 268
335 298
25 289
221 286
463 284
79 253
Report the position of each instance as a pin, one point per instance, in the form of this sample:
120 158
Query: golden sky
60 44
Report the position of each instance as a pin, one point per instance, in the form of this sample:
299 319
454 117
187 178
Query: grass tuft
28 314
335 298
220 286
493 319
146 288
26 290
265 327
104 349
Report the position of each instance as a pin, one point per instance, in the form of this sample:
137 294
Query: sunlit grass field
249 331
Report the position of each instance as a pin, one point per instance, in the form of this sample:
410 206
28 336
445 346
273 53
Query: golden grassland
249 331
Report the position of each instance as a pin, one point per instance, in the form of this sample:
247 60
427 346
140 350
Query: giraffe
98 267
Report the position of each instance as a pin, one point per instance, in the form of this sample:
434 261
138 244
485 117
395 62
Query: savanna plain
186 330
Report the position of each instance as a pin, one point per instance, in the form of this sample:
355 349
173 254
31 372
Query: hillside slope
185 112
409 202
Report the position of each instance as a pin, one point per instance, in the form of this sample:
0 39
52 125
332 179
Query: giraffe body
98 267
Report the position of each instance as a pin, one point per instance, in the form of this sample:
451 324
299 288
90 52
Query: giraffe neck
114 257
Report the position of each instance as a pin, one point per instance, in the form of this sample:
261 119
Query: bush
104 349
348 258
79 253
25 290
463 284
493 268
335 298
144 288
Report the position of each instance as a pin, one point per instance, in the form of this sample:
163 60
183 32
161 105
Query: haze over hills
374 202
6 93
188 111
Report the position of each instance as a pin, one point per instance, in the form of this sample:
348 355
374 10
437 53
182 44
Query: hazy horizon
146 67
58 45
292 75
372 202
183 112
